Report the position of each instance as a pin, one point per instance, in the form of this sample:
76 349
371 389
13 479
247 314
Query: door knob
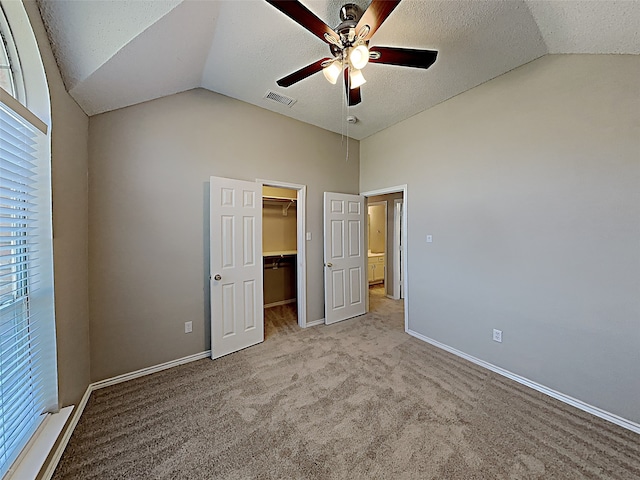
218 277
329 265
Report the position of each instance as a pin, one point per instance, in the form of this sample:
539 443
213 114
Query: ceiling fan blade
302 15
353 94
404 57
376 14
301 74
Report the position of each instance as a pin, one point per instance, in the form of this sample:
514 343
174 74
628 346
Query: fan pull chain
344 120
342 102
344 117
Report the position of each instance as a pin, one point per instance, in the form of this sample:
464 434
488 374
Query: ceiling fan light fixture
359 56
356 78
348 43
332 71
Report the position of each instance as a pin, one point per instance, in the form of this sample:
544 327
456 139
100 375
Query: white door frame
386 239
398 290
405 244
301 256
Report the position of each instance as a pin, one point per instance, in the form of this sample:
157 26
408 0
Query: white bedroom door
237 315
344 258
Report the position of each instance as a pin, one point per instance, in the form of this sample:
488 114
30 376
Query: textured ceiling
572 26
118 53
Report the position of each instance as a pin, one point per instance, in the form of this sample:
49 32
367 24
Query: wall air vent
276 97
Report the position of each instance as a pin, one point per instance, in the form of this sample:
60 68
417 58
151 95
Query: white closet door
237 315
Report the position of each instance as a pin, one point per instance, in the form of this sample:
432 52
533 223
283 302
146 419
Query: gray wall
69 165
530 186
148 202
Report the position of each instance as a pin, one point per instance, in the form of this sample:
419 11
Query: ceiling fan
349 44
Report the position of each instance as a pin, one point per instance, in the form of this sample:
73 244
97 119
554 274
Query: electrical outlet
497 335
429 238
188 327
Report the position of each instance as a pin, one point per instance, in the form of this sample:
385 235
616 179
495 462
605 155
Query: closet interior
279 246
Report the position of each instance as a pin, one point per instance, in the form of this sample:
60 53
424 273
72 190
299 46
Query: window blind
28 376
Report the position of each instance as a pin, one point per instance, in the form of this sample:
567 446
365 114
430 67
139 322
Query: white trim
314 323
281 302
398 205
35 453
301 230
149 370
405 243
21 110
574 402
57 454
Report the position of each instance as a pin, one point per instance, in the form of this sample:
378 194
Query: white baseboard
574 402
77 413
149 370
281 302
320 321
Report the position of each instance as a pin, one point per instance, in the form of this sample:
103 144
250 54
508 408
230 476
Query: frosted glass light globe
359 57
332 71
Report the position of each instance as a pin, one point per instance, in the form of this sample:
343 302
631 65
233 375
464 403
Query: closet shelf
282 253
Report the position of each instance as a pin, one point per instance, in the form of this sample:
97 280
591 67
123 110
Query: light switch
308 236
429 238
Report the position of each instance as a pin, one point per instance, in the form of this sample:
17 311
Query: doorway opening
377 244
283 247
386 240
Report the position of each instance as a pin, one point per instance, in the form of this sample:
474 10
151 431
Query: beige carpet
355 400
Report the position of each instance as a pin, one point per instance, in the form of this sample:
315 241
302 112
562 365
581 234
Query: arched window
10 71
28 372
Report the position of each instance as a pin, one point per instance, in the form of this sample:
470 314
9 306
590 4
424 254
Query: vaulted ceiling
113 54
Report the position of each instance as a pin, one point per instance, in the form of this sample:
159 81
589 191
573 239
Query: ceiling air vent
276 97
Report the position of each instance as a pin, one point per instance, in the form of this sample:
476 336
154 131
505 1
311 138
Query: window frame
15 67
25 458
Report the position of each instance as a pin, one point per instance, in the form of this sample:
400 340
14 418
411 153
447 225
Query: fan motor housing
350 11
350 14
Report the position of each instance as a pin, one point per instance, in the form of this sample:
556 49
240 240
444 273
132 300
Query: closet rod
278 199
